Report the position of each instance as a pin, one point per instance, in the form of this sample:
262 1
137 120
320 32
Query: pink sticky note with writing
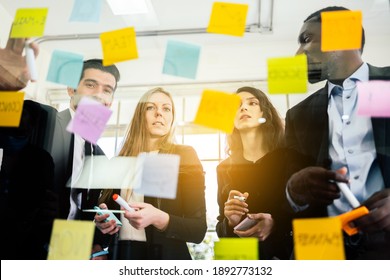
374 98
89 120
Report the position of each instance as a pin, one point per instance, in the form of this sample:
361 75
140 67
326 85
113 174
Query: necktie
337 93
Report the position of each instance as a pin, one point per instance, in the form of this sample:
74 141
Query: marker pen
30 60
240 198
348 194
118 199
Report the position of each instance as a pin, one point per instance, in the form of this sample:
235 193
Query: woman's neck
252 143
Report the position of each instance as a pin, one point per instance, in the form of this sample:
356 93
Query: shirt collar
361 74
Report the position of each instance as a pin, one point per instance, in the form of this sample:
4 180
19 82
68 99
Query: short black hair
316 17
96 63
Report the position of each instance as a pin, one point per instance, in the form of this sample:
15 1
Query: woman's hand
147 215
234 209
109 227
261 230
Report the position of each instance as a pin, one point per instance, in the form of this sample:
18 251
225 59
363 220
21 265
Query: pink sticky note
374 98
89 120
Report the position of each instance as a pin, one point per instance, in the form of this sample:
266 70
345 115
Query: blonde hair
137 136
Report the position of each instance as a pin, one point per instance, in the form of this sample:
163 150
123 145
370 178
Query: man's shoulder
379 73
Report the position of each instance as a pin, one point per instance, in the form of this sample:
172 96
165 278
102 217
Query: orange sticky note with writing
287 74
11 107
228 19
119 45
341 30
318 239
217 110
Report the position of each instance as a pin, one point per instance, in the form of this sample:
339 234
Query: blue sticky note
181 59
86 11
65 68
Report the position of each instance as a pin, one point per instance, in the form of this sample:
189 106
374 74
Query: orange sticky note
71 240
228 19
287 74
341 30
318 239
29 23
217 110
236 249
118 45
11 107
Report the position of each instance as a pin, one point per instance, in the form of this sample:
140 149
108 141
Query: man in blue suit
326 128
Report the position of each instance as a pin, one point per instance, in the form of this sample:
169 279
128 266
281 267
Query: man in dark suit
326 128
68 150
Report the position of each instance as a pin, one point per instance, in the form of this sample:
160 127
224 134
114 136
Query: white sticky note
160 174
99 172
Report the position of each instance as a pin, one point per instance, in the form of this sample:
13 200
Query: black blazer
307 130
187 212
265 182
62 153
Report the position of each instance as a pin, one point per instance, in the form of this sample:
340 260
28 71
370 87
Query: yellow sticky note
228 19
11 107
217 110
318 239
71 240
341 30
118 45
29 23
236 249
287 74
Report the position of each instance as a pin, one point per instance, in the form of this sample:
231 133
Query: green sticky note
236 249
29 23
287 74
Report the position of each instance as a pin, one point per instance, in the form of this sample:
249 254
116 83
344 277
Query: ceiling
224 58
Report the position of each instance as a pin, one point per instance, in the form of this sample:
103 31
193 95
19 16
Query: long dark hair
272 129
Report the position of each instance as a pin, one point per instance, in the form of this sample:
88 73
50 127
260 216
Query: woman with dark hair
251 180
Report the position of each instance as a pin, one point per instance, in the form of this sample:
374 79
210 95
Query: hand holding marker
118 199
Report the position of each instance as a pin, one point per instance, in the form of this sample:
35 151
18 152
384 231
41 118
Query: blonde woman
160 228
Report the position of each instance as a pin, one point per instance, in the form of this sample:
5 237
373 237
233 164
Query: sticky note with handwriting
374 98
11 107
217 110
287 74
71 240
86 11
29 22
341 30
90 119
65 68
181 59
118 45
318 239
236 249
228 19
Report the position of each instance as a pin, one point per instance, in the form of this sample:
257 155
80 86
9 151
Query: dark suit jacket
62 153
265 182
187 212
307 131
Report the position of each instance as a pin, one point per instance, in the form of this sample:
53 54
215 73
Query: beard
314 72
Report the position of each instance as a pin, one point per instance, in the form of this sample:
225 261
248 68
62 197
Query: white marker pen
118 199
348 194
30 60
240 198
